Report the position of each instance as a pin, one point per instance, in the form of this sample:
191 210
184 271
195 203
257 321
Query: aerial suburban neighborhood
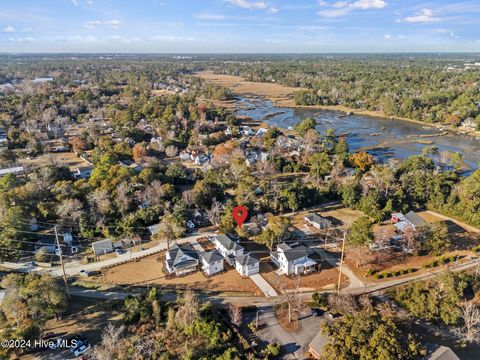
284 190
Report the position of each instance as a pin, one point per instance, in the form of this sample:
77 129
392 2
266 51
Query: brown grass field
149 270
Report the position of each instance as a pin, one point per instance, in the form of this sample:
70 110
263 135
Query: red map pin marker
239 214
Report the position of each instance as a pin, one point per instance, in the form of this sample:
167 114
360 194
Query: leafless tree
122 197
144 347
215 212
188 309
236 315
290 297
109 346
153 193
188 197
171 151
470 314
70 211
343 303
100 204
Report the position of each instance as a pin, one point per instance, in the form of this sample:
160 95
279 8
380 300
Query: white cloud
9 29
422 16
369 4
24 39
333 12
253 5
27 30
114 24
340 8
322 3
390 37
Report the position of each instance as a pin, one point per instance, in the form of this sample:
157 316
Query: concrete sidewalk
263 285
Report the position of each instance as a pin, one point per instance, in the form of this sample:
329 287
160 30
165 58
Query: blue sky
239 26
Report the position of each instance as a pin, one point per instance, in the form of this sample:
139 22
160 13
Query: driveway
294 343
263 285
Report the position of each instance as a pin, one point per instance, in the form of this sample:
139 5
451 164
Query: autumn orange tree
139 152
362 160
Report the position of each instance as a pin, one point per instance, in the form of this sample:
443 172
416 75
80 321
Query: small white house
293 260
317 221
212 262
247 265
102 247
228 248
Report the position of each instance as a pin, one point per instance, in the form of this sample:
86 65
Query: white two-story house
181 259
212 262
228 248
293 260
247 265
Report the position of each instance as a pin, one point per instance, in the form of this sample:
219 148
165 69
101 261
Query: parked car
120 251
89 272
81 349
82 345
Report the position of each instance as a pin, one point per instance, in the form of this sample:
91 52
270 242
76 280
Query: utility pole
61 262
341 262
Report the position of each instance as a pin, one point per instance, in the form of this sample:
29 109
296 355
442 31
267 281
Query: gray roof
211 256
12 170
414 218
246 260
102 245
283 246
318 219
154 229
318 343
228 243
442 353
297 253
176 252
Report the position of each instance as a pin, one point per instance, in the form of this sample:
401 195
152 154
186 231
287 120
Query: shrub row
394 273
440 261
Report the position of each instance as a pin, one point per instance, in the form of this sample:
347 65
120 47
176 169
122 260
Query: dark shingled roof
246 260
414 218
228 243
176 252
211 256
296 253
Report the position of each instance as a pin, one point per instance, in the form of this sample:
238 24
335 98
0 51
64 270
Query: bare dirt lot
323 280
240 86
149 270
69 159
340 216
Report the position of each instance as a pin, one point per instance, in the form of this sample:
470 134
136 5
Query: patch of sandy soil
325 279
149 270
240 86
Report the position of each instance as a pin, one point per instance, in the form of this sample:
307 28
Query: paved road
355 282
74 267
294 343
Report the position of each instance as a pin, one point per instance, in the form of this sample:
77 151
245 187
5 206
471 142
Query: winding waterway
381 137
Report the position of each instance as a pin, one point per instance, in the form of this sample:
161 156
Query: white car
79 350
